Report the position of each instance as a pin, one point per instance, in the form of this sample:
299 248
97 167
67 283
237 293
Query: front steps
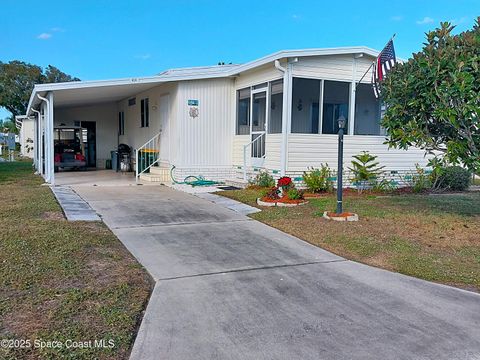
240 183
158 175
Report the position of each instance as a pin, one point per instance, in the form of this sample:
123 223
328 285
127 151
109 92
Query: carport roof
91 92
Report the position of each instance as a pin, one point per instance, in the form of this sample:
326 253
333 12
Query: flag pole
373 62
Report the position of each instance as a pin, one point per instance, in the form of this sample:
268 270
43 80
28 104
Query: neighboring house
278 112
26 135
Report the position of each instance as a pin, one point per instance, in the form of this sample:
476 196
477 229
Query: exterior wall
259 75
238 142
333 67
205 141
105 116
306 150
134 135
27 137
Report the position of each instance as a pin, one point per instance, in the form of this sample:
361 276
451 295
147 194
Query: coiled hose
193 180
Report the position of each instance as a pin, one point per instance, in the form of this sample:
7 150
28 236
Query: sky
115 39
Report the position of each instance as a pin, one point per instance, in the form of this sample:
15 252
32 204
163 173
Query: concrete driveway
228 287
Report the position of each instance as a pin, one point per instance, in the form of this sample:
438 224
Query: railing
258 151
147 155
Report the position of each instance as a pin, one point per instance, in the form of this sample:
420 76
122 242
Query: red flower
284 181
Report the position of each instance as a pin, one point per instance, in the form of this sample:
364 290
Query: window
276 107
305 105
243 112
367 111
335 103
144 112
121 123
132 101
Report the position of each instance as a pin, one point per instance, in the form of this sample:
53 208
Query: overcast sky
114 39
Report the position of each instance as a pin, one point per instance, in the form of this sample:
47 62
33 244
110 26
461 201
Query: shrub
384 185
271 193
419 181
454 178
263 179
318 180
365 170
295 194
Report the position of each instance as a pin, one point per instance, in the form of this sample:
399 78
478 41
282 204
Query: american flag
382 65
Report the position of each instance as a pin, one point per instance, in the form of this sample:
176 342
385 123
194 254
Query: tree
17 80
54 75
433 100
16 83
7 125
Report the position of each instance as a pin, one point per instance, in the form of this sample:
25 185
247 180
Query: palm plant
365 170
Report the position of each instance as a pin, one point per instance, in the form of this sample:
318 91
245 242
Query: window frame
144 113
121 123
237 108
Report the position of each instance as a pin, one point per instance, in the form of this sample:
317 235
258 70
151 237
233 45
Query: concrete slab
133 207
319 311
203 248
231 204
229 287
74 207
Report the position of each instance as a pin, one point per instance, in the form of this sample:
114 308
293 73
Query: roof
78 92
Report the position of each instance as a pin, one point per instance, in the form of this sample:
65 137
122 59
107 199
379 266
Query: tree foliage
433 100
17 80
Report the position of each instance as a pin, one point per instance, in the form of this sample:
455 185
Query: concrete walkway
74 207
228 287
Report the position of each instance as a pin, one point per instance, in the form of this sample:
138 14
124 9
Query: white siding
257 76
238 142
305 150
27 137
333 67
272 151
105 116
135 136
205 141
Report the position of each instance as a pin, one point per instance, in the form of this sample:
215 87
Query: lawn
433 237
60 280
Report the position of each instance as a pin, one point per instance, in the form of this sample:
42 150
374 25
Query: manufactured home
277 113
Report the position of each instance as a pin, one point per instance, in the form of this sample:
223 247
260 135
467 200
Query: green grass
433 237
61 280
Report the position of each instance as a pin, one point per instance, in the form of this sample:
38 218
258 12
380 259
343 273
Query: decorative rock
279 203
350 217
282 204
265 203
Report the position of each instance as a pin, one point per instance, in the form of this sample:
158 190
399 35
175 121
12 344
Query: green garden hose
193 180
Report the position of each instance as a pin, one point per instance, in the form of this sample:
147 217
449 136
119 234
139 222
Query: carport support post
51 154
40 143
35 143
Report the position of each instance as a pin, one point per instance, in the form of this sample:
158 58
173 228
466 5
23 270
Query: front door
90 142
258 123
164 128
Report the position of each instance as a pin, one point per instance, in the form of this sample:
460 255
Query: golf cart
69 148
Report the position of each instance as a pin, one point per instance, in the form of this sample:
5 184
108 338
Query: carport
88 104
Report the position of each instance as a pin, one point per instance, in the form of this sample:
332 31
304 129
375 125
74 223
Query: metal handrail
153 145
245 154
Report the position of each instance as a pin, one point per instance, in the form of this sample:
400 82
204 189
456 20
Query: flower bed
284 194
283 201
345 216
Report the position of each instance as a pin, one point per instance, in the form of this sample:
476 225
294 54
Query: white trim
320 107
198 73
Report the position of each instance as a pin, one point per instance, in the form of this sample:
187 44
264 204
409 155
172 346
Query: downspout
36 145
49 141
283 152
